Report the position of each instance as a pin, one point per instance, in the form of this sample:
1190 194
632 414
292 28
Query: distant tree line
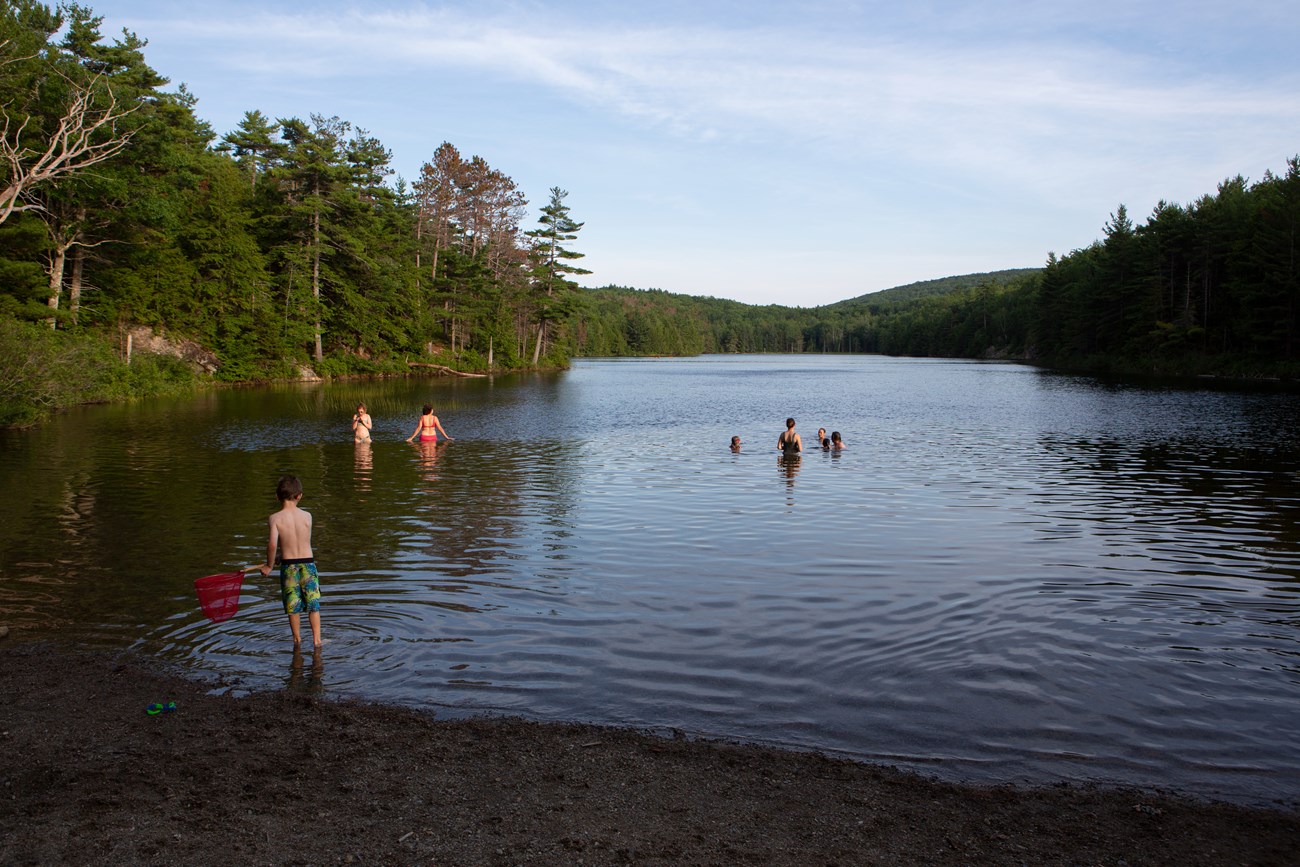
971 315
1207 288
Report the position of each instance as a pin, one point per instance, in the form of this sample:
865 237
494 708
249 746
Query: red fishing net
219 595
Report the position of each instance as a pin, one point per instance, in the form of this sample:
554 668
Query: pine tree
551 269
1269 266
255 145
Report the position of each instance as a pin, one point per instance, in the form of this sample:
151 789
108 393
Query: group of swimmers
289 539
790 442
427 427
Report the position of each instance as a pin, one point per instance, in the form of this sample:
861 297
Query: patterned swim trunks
299 586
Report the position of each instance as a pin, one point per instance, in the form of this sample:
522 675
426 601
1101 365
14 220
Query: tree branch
71 148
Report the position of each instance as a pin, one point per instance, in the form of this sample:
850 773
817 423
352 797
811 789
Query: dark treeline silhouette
1208 286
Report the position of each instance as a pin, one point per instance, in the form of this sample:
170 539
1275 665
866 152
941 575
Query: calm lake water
1008 575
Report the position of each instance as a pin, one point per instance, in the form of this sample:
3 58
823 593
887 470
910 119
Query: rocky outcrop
142 338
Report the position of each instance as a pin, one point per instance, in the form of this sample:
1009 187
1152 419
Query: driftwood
444 368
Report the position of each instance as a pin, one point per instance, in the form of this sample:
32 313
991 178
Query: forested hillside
942 286
986 319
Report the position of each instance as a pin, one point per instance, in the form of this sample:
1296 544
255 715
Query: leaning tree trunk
537 347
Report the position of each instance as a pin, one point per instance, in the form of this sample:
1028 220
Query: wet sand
89 777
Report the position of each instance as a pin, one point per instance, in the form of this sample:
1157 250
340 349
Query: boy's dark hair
289 488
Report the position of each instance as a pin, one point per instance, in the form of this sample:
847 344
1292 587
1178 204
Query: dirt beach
89 777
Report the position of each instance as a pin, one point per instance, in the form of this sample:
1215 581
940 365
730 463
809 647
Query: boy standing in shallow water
290 530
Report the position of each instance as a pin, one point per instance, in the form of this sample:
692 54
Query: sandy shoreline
89 777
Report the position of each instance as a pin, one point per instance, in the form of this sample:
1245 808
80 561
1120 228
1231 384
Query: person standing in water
428 427
361 424
789 442
290 535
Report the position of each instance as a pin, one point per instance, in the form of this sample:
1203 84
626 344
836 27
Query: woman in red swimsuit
428 427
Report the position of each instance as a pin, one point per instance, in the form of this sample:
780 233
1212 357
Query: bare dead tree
85 135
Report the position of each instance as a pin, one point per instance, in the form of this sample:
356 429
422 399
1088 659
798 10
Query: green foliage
989 319
149 374
332 366
25 285
43 370
551 256
1212 288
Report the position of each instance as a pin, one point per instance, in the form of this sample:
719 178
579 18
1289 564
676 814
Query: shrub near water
42 370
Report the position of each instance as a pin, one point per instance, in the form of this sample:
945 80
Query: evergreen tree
1117 317
255 145
125 213
311 180
551 269
1270 266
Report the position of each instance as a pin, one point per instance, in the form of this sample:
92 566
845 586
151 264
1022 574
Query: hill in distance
941 286
896 295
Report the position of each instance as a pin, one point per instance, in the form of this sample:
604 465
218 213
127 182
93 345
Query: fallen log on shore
444 368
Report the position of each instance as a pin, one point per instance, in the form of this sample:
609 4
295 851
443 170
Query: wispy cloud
997 105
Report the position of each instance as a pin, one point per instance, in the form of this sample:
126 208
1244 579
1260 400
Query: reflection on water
1011 575
305 679
788 467
364 465
429 461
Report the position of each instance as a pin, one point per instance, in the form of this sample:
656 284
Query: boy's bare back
290 529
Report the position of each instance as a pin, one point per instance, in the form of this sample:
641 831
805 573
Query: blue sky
796 153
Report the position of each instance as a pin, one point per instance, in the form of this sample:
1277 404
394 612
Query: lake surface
1008 575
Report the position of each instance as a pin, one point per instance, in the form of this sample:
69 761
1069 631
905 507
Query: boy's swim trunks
299 586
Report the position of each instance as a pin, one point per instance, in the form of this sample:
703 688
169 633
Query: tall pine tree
551 269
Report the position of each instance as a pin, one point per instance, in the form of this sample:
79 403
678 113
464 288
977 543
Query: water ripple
1007 575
